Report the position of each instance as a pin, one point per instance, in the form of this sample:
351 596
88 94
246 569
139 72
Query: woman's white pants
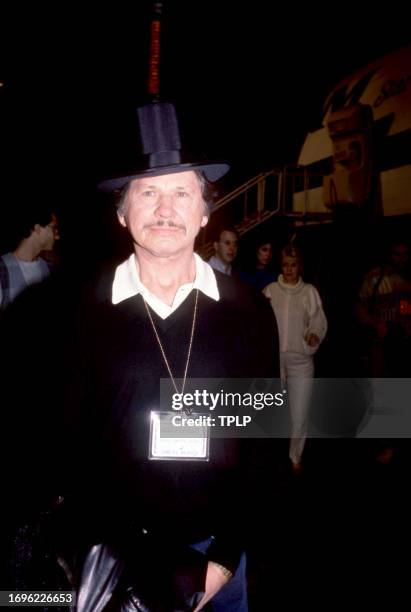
297 370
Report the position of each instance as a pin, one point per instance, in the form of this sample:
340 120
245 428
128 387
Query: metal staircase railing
286 192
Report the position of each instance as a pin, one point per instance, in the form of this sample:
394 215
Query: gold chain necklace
163 352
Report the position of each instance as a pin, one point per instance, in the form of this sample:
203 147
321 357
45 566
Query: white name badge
165 443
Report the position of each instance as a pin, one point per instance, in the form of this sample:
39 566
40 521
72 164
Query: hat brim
213 171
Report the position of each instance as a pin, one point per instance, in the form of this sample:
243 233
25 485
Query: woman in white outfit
302 326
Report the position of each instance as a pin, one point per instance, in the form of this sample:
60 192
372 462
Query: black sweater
117 385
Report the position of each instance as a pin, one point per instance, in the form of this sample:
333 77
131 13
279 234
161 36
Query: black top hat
162 150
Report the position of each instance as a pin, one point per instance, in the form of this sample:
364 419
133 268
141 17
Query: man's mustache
168 223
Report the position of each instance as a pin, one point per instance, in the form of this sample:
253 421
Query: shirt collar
127 281
290 288
216 263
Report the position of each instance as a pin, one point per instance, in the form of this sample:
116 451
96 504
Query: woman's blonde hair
291 250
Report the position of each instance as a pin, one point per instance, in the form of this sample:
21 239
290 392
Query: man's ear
121 220
37 228
204 221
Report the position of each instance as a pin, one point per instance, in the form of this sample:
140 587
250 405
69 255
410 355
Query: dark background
249 80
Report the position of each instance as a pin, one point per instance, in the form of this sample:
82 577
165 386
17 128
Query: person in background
37 232
225 247
383 310
260 273
302 326
33 362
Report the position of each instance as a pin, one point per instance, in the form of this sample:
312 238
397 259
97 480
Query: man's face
165 213
226 248
49 234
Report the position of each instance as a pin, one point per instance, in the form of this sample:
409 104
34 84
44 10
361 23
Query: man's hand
216 578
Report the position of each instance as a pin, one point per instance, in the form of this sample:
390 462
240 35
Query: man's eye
149 193
182 194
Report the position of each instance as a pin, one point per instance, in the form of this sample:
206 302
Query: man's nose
165 206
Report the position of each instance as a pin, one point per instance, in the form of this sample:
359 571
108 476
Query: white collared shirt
216 263
127 283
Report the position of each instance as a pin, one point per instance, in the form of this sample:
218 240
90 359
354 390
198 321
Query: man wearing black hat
166 314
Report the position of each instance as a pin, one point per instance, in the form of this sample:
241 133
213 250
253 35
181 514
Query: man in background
225 247
24 266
